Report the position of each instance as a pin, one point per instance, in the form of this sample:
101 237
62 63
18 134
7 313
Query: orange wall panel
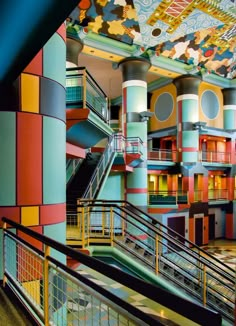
29 159
191 230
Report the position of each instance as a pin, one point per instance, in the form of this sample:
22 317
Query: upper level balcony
215 157
206 157
82 91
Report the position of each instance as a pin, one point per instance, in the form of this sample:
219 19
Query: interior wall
219 222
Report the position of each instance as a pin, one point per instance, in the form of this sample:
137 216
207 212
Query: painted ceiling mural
197 32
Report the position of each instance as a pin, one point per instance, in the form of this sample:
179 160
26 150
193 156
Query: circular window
210 104
164 106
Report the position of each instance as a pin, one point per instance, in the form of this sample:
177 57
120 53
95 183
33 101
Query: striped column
134 101
32 145
187 113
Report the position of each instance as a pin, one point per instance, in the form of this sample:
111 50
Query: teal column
134 106
187 114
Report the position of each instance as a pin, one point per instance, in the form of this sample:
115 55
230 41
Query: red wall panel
51 214
29 159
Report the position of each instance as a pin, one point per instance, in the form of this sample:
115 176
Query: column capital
134 68
74 47
187 84
229 96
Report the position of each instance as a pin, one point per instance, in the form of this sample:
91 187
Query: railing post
157 255
111 225
103 220
4 255
84 81
83 227
204 287
46 286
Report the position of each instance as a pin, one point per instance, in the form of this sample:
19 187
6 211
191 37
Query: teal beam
26 26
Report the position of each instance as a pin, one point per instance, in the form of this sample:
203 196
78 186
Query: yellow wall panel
218 122
155 124
30 215
30 93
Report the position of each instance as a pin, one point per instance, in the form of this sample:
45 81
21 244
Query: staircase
165 253
90 177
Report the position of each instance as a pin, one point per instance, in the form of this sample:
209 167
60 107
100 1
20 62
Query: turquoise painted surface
138 178
229 119
54 162
54 58
113 188
190 157
190 111
56 232
136 99
190 138
137 199
8 158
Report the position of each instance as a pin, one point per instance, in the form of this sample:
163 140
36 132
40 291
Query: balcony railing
168 197
218 194
82 91
131 145
215 157
162 155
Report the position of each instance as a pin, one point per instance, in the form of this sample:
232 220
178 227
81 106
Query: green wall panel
54 58
7 158
54 163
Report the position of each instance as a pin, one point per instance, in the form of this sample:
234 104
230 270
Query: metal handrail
101 170
56 269
168 197
212 156
212 280
162 155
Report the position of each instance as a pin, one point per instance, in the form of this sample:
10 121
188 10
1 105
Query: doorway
178 225
211 226
199 231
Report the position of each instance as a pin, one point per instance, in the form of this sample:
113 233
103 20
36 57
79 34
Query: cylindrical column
134 124
187 114
32 145
229 98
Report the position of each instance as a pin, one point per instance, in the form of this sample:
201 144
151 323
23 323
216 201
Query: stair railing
54 294
164 252
102 170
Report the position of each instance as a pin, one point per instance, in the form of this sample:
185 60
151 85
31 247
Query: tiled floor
223 250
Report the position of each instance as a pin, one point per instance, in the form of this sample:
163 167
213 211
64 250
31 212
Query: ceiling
178 36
